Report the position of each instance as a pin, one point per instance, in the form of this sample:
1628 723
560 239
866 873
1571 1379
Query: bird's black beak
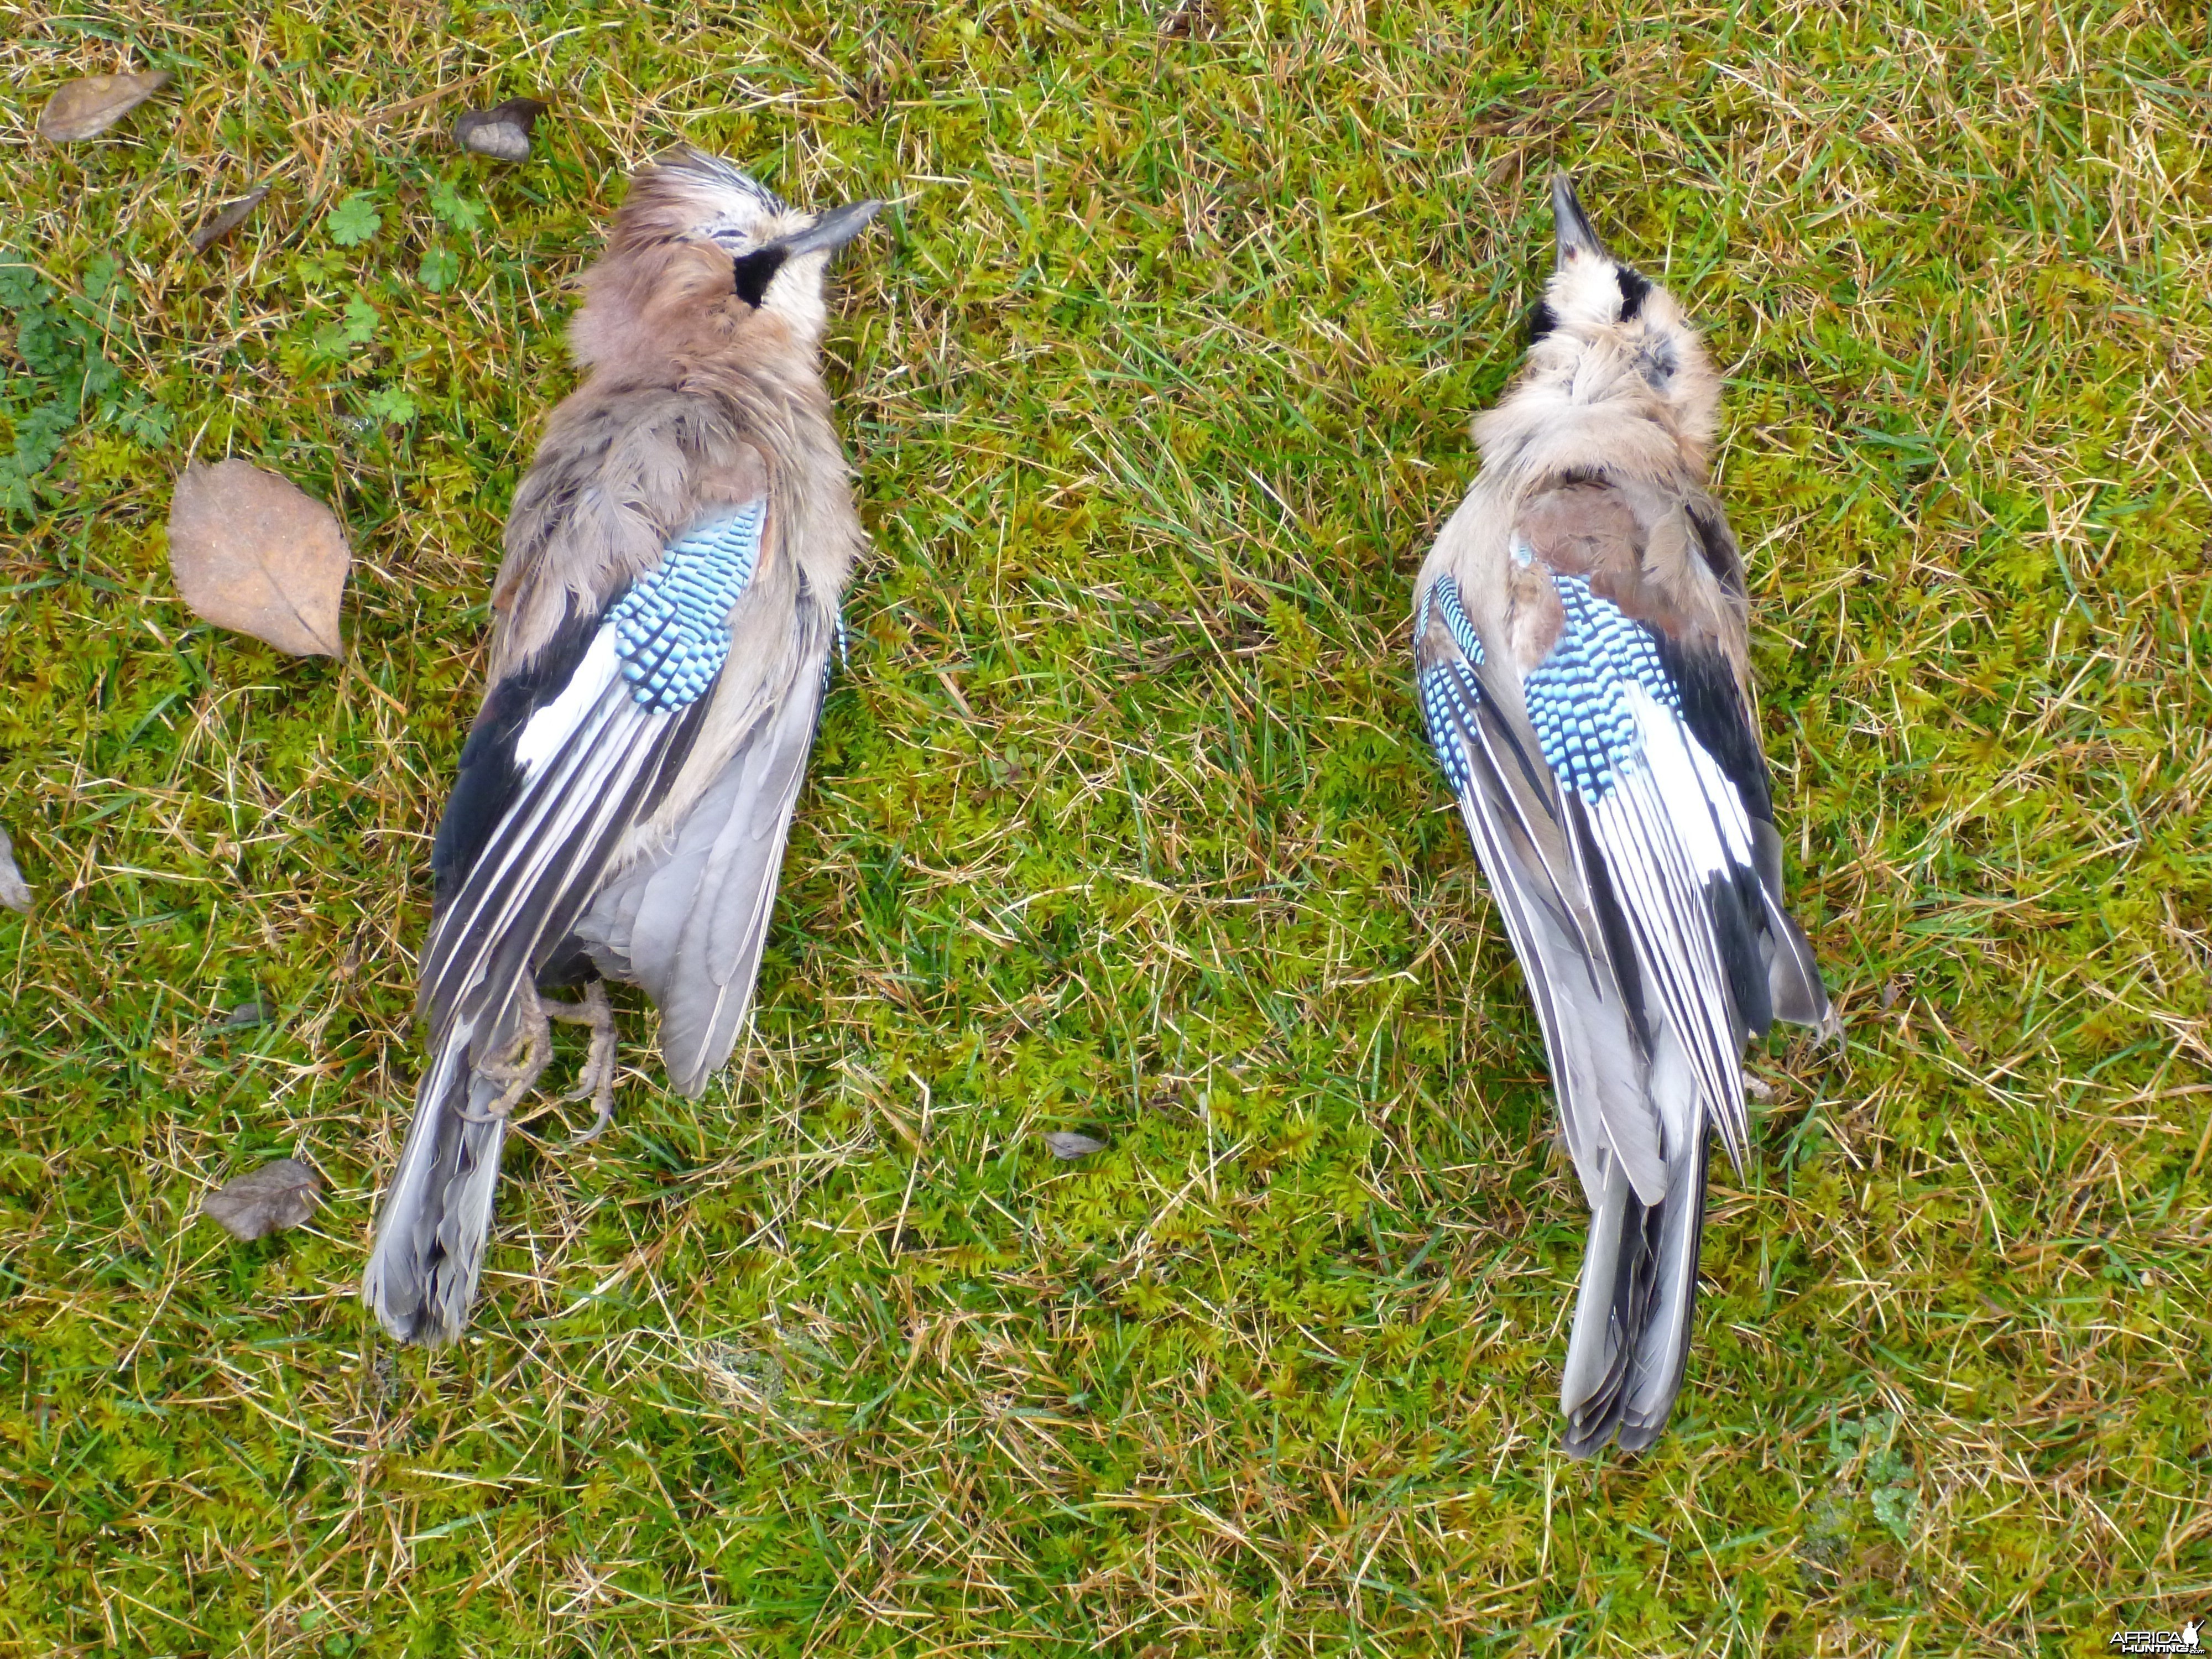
1575 230
831 231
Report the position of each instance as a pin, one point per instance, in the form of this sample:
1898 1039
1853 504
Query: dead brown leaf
253 553
277 1195
227 221
501 131
15 891
86 108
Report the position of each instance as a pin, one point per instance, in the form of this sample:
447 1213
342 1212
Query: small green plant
461 215
440 267
354 221
1885 1472
60 378
390 405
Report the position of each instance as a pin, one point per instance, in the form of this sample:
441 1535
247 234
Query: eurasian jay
1581 651
662 637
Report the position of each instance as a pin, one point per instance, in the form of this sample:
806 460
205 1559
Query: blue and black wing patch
673 629
1578 695
569 754
1451 685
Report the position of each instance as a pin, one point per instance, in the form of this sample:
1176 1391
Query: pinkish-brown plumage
1581 645
663 625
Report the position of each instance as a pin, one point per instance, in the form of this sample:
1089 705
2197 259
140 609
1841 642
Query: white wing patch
541 739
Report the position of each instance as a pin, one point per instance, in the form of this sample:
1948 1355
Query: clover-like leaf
461 214
362 321
354 221
391 405
441 267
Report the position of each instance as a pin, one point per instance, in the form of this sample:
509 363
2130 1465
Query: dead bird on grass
1580 643
663 626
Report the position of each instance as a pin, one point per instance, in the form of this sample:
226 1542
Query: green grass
1157 378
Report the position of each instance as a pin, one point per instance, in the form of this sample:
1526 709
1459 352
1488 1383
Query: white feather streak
541 736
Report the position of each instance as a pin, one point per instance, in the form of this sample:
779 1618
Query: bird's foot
596 1082
518 1068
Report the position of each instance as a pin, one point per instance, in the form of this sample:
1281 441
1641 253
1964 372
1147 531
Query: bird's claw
596 1081
518 1068
526 1061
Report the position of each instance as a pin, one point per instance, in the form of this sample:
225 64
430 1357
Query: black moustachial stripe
489 780
755 272
1634 285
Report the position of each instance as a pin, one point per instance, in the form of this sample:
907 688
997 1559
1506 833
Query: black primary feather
488 779
1739 917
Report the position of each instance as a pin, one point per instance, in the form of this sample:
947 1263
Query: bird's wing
1516 817
688 919
1604 759
572 750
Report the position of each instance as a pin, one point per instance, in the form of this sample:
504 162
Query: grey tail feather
430 1238
1630 1338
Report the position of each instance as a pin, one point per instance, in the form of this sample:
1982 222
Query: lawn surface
1157 376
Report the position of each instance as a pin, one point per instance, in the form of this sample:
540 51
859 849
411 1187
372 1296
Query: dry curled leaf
86 108
1066 1144
14 892
501 131
228 221
269 1200
253 553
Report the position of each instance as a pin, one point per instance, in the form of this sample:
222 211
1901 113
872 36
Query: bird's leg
596 1082
519 1066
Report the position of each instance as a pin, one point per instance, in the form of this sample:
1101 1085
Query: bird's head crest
699 245
1604 330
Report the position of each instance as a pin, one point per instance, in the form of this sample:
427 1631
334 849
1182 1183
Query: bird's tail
1631 1331
430 1238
